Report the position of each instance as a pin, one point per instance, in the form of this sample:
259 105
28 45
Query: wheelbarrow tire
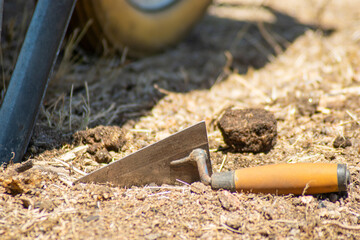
119 23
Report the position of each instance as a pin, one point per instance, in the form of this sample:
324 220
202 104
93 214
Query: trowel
185 155
151 164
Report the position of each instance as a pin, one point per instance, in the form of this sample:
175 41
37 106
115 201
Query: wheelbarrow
141 26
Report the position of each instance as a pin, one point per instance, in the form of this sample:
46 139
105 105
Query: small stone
249 130
103 156
92 218
228 201
153 236
33 149
180 202
48 224
88 162
333 197
295 232
324 213
306 199
325 131
24 166
141 195
154 187
342 142
147 231
329 119
253 217
198 187
46 205
234 221
92 149
321 204
334 215
26 202
307 105
267 214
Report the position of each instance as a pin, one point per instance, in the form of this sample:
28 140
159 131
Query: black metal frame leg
29 80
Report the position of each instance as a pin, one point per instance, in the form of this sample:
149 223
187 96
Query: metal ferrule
343 176
224 180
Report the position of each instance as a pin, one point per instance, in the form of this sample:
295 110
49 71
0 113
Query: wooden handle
298 178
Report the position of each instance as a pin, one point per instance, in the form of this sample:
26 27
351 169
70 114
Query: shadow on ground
116 93
217 46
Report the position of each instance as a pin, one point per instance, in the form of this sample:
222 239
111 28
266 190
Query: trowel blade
152 163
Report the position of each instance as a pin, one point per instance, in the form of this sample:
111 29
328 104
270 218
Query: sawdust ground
299 60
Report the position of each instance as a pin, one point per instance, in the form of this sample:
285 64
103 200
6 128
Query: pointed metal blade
152 163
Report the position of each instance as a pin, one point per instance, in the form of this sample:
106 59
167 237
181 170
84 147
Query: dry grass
280 57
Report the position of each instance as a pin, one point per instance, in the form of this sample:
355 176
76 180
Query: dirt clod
342 142
249 130
101 140
13 186
110 137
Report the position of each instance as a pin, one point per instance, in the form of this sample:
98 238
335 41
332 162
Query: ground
299 60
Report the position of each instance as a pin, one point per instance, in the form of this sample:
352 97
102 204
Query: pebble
45 204
234 221
334 197
321 204
103 156
228 201
26 202
198 187
92 218
342 142
142 195
306 199
153 236
324 213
